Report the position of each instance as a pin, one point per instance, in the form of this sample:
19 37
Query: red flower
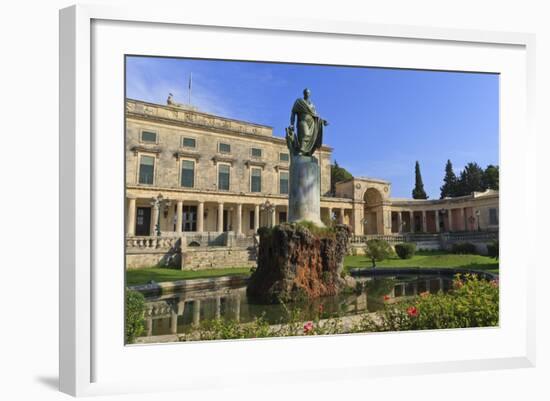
308 327
412 311
321 308
387 297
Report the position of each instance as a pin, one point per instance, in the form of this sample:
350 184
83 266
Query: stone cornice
148 149
257 163
224 159
283 167
192 155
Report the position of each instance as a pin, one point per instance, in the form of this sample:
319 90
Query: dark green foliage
471 180
405 250
449 188
338 174
492 249
464 248
418 191
134 319
377 250
490 177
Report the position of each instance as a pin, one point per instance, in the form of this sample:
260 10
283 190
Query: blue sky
381 120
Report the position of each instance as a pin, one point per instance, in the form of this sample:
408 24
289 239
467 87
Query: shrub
464 248
134 319
492 249
405 250
377 250
473 302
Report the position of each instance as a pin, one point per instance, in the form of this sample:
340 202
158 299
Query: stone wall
155 258
218 257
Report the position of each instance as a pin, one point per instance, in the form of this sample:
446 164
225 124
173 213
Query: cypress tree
449 188
418 191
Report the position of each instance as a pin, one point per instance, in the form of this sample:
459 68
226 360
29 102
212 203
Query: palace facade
211 174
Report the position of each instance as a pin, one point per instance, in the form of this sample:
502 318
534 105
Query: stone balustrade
151 243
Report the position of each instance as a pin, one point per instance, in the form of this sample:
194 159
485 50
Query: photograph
270 199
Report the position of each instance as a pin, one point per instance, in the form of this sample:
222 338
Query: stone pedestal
304 198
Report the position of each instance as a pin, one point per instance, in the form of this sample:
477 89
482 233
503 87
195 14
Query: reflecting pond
180 312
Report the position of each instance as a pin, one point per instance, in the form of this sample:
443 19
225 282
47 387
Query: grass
159 275
428 259
420 259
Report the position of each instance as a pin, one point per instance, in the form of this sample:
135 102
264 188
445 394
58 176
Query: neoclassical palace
194 172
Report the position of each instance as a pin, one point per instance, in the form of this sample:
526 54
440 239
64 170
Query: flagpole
190 83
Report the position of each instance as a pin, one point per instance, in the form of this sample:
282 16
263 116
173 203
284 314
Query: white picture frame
92 363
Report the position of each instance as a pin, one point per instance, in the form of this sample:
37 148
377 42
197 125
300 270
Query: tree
490 177
377 250
449 187
338 174
418 191
471 180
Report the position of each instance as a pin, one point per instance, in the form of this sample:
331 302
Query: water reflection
180 312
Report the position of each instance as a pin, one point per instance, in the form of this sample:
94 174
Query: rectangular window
283 157
189 143
283 182
225 148
493 217
223 177
256 180
148 136
146 170
282 217
187 173
251 220
255 152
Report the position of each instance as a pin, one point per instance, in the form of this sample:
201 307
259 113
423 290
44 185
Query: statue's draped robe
310 128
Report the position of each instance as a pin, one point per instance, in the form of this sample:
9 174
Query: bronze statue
308 135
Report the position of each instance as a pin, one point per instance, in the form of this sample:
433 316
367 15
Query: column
218 307
239 227
200 217
256 218
341 220
424 222
173 322
450 213
411 220
462 219
220 217
131 229
436 221
399 222
154 220
273 216
329 214
179 216
196 312
238 308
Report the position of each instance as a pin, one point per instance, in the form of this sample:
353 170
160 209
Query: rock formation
297 263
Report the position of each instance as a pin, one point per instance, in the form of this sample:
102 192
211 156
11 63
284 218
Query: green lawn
429 259
142 276
421 259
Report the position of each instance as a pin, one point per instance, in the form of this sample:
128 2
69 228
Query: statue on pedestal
304 198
